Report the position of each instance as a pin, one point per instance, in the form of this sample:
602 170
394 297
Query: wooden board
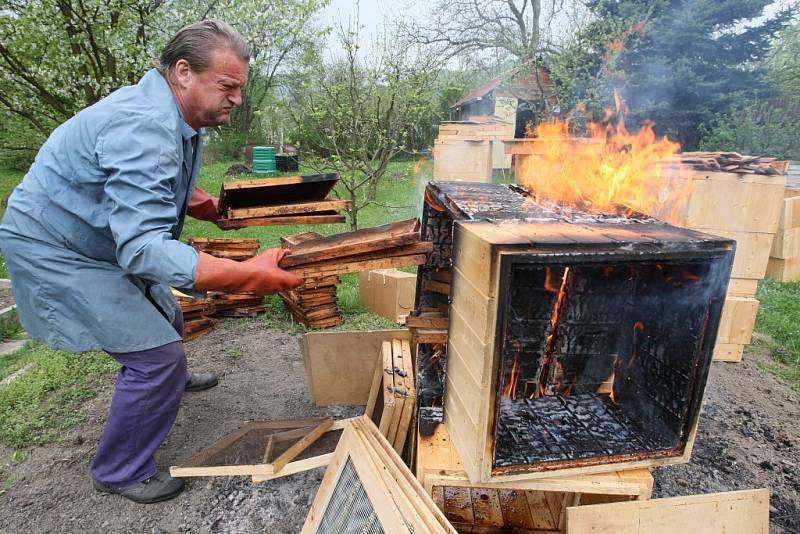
738 319
366 240
736 512
786 245
728 352
340 365
254 449
790 215
734 202
288 209
233 224
784 270
276 191
742 287
752 252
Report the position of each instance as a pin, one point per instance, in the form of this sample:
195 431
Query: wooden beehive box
462 158
746 208
482 253
280 200
784 261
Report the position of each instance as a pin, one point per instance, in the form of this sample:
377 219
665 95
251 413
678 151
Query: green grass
779 319
9 178
39 406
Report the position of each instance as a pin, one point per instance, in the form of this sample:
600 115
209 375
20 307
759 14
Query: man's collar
153 79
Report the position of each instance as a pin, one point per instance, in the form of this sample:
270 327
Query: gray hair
197 42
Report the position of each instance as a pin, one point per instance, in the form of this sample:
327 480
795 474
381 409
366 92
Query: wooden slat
736 512
355 242
360 266
197 464
279 462
410 401
288 209
389 400
294 263
232 224
728 352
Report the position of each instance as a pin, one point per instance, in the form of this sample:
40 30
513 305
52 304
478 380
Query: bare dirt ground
749 437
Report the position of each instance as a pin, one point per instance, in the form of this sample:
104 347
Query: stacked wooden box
784 261
469 150
280 200
740 201
314 303
199 314
320 260
232 249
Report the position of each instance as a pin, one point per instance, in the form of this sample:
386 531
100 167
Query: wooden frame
398 501
473 346
306 464
279 200
393 396
302 432
735 512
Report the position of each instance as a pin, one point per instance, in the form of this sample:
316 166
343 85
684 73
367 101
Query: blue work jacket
90 236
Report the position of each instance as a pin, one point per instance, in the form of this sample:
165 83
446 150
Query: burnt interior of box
604 358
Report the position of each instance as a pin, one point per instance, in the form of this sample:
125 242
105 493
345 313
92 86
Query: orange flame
611 169
550 345
510 390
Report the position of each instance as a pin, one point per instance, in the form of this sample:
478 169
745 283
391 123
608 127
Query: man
90 238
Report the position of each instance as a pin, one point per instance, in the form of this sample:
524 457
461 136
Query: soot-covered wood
634 328
437 227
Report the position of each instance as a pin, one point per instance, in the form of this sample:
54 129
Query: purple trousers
148 392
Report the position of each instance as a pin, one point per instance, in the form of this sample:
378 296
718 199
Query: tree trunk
352 211
372 191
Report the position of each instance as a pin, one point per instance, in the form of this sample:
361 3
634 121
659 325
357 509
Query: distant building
519 97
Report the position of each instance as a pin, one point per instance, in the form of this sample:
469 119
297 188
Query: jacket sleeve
143 162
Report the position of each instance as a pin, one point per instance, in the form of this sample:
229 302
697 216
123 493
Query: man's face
208 97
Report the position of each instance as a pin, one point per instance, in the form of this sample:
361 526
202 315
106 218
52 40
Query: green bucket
264 160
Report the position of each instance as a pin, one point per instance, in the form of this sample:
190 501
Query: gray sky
373 13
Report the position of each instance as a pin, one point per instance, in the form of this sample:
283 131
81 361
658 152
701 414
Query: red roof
530 83
479 93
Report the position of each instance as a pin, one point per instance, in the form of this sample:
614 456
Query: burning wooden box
577 343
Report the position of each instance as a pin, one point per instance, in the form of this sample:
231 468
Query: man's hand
267 263
260 275
203 206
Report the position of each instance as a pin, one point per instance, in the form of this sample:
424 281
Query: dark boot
201 381
157 488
